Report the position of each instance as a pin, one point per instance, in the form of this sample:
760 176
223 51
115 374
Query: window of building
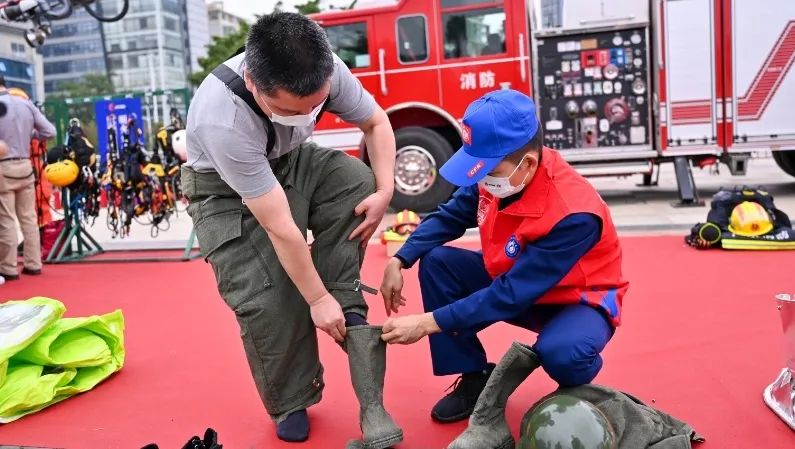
473 33
171 6
412 39
169 24
146 42
349 42
17 48
133 62
172 42
116 62
16 69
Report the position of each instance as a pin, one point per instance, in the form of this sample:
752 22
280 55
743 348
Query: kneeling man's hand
409 329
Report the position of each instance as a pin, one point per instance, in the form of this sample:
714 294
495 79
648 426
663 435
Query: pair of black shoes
26 271
210 441
459 403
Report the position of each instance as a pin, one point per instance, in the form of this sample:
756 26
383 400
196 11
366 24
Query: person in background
17 191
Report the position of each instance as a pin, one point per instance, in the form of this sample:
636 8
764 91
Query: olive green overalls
323 187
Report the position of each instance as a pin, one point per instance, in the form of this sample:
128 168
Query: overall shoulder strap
236 84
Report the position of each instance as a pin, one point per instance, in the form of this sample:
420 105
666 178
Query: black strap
236 84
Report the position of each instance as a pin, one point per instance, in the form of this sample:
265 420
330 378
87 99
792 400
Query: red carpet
701 340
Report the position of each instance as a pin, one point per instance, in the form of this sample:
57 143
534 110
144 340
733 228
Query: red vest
555 192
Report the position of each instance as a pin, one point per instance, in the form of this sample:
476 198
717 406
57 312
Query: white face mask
297 120
501 187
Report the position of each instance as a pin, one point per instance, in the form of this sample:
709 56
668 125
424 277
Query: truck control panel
593 89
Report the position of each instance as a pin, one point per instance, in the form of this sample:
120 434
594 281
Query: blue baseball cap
495 125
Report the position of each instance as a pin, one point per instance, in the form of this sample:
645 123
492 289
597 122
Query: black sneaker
31 271
459 403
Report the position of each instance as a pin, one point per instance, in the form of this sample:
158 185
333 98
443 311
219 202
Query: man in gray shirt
17 192
256 187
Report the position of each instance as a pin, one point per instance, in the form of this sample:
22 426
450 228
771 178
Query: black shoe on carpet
295 428
10 277
31 271
459 403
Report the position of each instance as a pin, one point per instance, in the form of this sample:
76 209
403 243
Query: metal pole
160 52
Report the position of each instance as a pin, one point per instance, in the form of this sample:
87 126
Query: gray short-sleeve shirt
226 136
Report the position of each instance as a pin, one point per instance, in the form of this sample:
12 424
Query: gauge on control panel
616 110
638 87
572 108
610 71
589 107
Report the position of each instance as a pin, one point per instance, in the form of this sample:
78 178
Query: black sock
295 428
354 319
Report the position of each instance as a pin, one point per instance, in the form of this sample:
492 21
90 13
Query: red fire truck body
621 85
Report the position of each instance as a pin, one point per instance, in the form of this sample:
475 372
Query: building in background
198 31
148 48
73 50
221 23
551 13
20 65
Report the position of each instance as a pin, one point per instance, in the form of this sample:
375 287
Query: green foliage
221 49
310 7
93 84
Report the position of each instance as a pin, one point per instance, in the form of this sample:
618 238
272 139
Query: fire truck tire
785 160
420 154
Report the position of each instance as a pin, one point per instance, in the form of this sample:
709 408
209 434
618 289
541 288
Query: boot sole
507 444
451 419
385 442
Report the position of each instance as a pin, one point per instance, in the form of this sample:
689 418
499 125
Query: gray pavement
636 210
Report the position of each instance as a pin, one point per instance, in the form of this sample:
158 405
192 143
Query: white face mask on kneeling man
500 186
302 120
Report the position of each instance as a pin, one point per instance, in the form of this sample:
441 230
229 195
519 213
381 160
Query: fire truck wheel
420 154
785 160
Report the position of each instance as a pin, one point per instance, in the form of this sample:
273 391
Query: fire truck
622 86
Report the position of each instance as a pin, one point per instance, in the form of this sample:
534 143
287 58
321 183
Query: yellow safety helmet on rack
61 174
17 92
750 219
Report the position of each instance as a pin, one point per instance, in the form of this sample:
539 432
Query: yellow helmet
750 219
17 92
61 174
406 222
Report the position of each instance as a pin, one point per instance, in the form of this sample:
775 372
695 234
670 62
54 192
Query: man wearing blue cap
550 262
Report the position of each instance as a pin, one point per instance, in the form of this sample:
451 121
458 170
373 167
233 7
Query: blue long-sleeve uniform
465 299
540 266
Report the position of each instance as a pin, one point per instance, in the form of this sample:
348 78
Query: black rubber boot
487 426
459 403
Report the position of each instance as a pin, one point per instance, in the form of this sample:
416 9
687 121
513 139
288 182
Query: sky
247 8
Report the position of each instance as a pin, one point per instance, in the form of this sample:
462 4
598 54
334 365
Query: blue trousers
570 337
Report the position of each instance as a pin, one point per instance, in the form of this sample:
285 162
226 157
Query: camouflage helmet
566 422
